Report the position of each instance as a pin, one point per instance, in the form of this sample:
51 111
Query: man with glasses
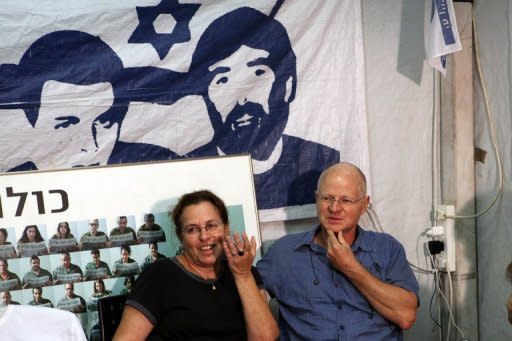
339 281
94 239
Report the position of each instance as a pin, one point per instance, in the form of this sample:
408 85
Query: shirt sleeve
399 271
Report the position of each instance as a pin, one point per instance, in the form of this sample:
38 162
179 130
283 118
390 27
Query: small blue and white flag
444 37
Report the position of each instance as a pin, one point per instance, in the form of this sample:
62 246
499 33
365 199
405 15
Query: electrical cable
451 320
374 219
435 141
434 295
492 132
437 288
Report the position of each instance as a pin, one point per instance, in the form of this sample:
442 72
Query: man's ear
289 88
366 204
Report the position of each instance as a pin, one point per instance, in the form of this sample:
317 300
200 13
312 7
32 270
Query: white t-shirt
23 322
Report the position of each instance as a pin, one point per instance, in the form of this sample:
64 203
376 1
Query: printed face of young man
95 258
36 264
150 221
122 223
240 91
68 127
153 249
66 261
3 266
5 296
37 294
69 290
93 226
125 255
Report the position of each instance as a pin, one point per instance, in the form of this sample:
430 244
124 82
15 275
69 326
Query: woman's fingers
239 245
231 248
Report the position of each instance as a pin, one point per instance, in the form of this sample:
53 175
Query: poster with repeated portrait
65 231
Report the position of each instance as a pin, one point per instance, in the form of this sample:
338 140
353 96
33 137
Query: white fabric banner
102 82
444 36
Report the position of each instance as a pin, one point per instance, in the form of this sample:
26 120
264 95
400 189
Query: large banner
104 82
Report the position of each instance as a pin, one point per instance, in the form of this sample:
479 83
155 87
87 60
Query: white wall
399 109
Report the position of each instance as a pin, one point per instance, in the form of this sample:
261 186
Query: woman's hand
339 252
240 253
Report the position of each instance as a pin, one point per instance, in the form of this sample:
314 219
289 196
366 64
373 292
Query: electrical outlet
446 259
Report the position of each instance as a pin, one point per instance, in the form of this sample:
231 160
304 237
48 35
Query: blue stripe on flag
445 21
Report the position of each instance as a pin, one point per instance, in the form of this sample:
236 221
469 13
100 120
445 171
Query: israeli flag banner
98 82
444 37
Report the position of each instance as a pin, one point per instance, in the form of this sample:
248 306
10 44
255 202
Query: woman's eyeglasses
211 226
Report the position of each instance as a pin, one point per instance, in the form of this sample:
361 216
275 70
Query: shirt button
337 284
342 327
340 306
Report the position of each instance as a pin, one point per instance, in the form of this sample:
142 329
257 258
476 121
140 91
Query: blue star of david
162 42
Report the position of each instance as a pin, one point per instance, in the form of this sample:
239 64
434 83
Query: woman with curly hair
31 242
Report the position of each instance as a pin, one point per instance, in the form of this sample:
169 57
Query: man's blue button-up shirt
317 302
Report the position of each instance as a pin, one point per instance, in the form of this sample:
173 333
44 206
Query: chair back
110 311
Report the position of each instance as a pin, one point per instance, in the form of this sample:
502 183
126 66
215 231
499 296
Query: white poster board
45 198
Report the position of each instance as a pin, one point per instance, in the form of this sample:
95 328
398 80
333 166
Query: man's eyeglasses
343 201
212 226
